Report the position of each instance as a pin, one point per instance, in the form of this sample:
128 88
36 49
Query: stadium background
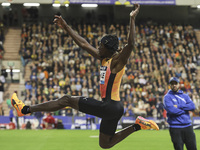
29 73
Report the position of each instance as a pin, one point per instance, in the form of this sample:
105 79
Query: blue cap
174 79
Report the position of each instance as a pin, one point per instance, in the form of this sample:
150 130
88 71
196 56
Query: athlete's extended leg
54 105
107 140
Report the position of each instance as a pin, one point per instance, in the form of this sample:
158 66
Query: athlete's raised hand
59 21
134 13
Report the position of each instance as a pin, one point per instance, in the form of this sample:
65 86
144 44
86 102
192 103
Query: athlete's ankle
136 127
26 110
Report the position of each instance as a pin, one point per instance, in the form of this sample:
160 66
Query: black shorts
186 135
109 110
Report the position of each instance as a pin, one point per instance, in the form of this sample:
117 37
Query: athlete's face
103 52
174 86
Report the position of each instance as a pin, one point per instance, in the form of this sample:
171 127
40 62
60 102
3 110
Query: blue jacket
178 105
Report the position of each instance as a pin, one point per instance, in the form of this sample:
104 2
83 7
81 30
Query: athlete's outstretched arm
121 59
131 36
80 41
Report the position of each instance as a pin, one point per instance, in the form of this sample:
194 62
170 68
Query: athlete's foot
146 124
17 104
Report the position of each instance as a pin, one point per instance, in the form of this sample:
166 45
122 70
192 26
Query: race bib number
102 74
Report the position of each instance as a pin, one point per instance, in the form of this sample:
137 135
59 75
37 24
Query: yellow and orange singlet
109 82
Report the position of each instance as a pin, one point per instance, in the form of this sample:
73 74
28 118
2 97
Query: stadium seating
1 39
59 66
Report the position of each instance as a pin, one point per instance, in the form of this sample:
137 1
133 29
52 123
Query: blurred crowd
2 38
59 66
2 79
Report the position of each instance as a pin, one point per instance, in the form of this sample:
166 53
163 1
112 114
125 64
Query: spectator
90 120
159 108
49 122
38 116
27 57
1 98
3 72
2 79
177 104
11 114
11 74
149 111
28 86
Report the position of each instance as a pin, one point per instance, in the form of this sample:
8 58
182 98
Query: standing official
177 104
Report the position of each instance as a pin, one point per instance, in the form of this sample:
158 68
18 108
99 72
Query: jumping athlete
110 109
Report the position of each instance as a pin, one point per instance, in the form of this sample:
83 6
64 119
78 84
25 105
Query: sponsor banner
79 120
4 119
128 120
154 2
81 123
196 120
66 121
99 121
117 2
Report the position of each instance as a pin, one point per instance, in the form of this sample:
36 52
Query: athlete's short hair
111 42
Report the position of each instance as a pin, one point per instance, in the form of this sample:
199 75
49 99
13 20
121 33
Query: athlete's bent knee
105 145
105 141
64 101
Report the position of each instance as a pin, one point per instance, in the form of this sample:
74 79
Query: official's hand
134 13
59 21
175 106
